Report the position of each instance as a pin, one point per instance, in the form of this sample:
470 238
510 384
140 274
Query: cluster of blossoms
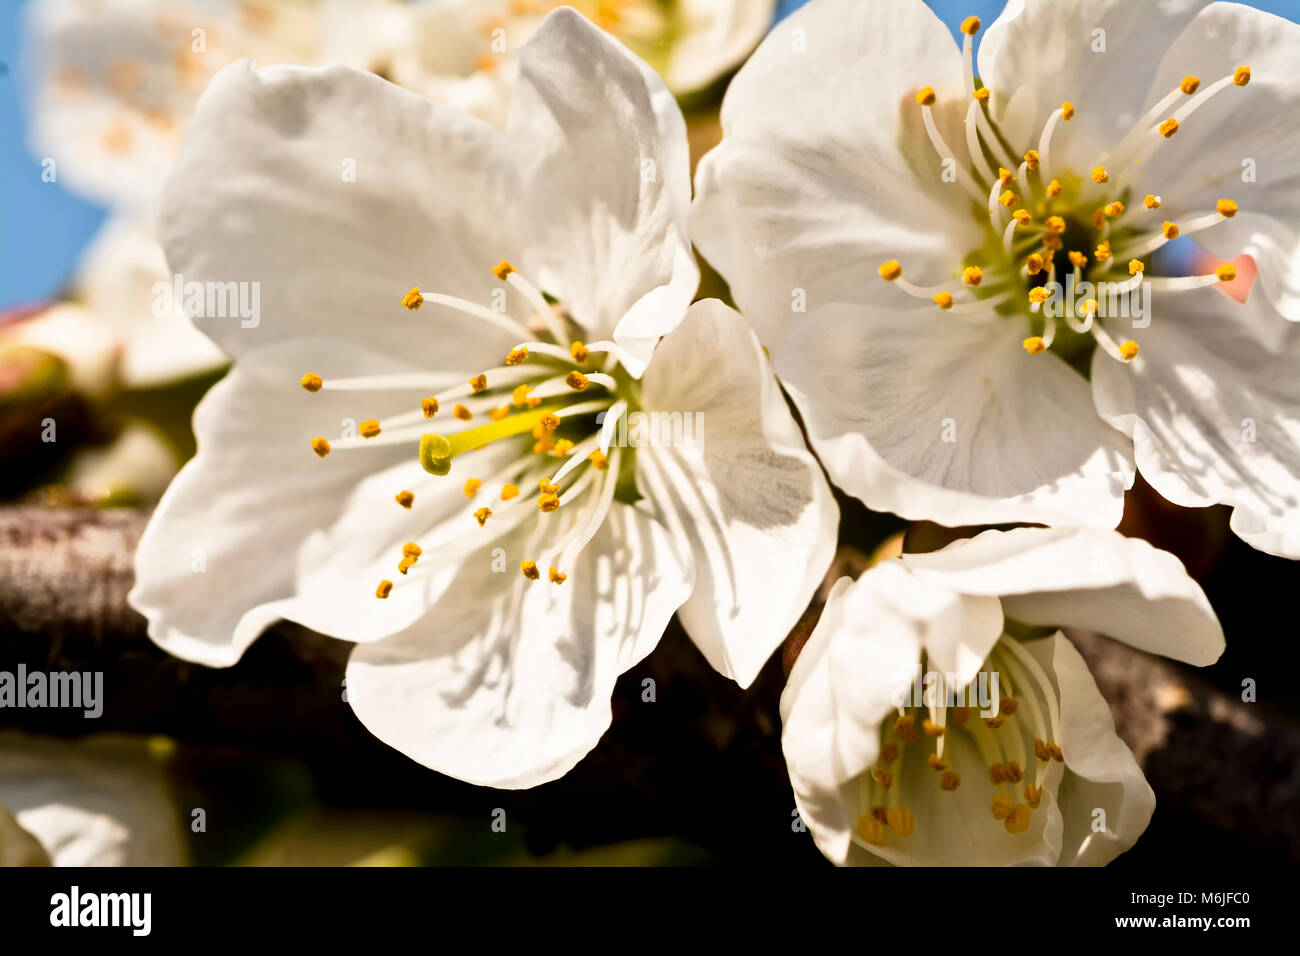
436 472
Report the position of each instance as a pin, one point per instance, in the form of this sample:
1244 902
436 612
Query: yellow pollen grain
1190 84
478 383
1002 806
1054 188
1169 229
970 26
1067 111
1102 252
943 300
529 570
1022 217
472 485
1039 295
320 446
481 516
1055 225
1018 820
404 498
1241 76
982 94
1129 350
926 96
598 460
1034 345
1151 201
369 428
1008 199
949 780
1226 272
1135 266
517 356
509 491
502 269
1078 260
429 406
1099 174
1114 209
463 413
413 299
311 382
579 352
385 588
576 381
1031 159
972 275
499 414
890 270
555 576
548 503
901 821
1034 264
1224 207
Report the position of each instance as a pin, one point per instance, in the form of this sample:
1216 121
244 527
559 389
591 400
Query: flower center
552 400
1060 242
1009 714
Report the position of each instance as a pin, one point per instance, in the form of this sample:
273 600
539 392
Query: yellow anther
1102 252
1054 225
385 588
478 383
548 503
412 549
1190 84
576 380
904 723
961 714
1022 217
936 762
563 447
1099 174
1129 350
509 491
1003 804
1168 127
1078 260
1033 794
429 406
547 423
1169 229
891 270
579 352
529 570
1031 159
931 728
463 413
1005 176
1034 345
404 498
1226 272
1054 188
502 269
1051 242
369 428
520 395
1040 749
598 460
555 576
871 830
970 26
548 487
992 723
1135 266
1018 821
499 414
406 564
972 275
926 96
883 777
949 780
1067 111
320 446
311 381
413 299
1088 307
997 773
1224 207
1013 772
1034 264
1151 201
982 94
902 822
1114 209
543 446
1055 751
481 516
1008 705
889 753
1098 218
517 356
943 300
472 485
1039 295
1241 75
1008 199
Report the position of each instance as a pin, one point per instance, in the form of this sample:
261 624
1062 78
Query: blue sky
43 228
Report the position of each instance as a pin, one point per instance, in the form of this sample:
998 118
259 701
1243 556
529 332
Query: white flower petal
611 229
1101 773
825 170
715 37
507 682
948 418
1085 578
744 490
1212 413
263 192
